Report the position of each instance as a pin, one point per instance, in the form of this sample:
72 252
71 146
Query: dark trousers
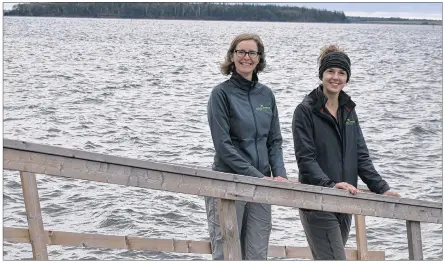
326 233
254 226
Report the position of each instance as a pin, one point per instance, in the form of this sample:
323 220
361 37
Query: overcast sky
402 10
394 9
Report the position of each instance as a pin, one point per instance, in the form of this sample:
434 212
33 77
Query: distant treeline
392 20
198 11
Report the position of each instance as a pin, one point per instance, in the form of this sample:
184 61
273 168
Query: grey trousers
326 233
254 226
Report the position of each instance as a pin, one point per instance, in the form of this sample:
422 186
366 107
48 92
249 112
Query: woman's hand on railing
389 193
293 180
277 178
281 179
346 186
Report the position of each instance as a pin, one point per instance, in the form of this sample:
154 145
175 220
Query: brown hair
333 56
227 67
328 49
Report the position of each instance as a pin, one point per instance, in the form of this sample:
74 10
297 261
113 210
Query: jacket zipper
340 136
256 129
344 143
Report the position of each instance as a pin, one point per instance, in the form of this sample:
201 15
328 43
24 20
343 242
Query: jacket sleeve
366 169
302 130
218 115
274 143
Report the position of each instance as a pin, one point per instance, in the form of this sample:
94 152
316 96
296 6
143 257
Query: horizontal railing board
201 172
215 187
21 235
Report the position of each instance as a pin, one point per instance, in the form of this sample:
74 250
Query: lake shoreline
410 22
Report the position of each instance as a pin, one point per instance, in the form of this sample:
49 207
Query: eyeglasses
252 54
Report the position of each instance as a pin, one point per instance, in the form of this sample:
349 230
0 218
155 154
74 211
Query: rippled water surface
139 89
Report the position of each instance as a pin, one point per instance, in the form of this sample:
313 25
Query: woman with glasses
331 152
245 129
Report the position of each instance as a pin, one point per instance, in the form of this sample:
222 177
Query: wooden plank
374 255
203 186
414 240
169 245
201 172
20 235
360 234
34 216
87 240
305 253
229 229
16 235
289 252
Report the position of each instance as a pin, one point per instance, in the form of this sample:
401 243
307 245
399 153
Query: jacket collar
319 99
243 83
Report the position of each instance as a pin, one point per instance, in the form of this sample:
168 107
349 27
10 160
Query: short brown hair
227 66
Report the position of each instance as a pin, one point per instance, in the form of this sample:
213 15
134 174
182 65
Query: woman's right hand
346 186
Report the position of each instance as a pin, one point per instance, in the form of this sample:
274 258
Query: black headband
335 60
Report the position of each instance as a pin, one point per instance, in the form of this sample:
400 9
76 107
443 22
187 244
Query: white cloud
8 6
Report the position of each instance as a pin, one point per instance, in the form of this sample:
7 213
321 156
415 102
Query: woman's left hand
280 179
293 180
389 193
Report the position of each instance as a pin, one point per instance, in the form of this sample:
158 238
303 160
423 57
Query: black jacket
328 152
245 128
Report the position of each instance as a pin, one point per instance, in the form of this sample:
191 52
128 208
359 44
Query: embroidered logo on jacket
350 122
261 107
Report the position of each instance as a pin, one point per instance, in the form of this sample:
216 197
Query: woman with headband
331 152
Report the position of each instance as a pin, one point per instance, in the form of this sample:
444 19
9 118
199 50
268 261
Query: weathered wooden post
360 235
34 216
414 240
229 229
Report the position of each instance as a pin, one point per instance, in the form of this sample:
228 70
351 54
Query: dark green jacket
245 128
328 153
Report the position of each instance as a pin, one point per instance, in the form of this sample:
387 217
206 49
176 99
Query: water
139 88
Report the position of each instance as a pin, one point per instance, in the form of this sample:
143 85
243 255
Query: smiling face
334 80
245 64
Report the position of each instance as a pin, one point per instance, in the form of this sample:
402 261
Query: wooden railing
31 159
